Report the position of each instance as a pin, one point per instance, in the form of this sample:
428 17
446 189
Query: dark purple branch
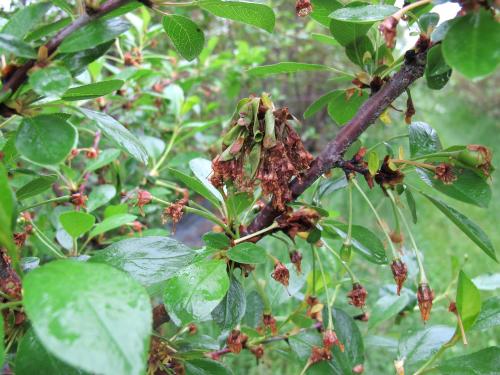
331 155
20 75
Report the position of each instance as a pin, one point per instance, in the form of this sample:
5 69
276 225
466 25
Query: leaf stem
353 277
64 198
41 236
347 240
274 225
438 354
330 321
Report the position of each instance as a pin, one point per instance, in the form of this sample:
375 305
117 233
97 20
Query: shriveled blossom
386 177
79 200
175 210
257 351
410 110
236 341
315 309
261 147
425 296
296 259
388 28
281 273
302 220
357 295
478 156
144 197
444 173
160 356
20 238
320 354
270 322
330 339
192 329
303 8
400 273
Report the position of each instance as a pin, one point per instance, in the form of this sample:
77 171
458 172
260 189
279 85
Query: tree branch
331 155
20 75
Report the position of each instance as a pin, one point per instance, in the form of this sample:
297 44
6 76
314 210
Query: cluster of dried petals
257 351
20 238
303 8
387 177
330 339
175 210
388 29
160 357
400 273
477 156
79 200
296 259
357 296
144 197
10 283
302 220
281 273
444 172
274 157
320 354
315 308
425 296
270 322
236 341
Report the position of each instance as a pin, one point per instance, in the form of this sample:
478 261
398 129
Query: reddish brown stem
332 154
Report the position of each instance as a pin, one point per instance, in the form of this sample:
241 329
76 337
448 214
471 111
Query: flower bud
425 296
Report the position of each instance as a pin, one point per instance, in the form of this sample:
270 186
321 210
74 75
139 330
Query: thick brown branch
371 110
20 75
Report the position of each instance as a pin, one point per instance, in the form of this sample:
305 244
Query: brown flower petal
425 296
400 273
357 295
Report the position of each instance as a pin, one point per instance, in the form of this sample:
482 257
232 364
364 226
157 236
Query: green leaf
105 157
325 39
254 310
206 367
471 44
258 15
46 139
99 196
12 44
486 361
231 309
364 241
363 14
195 291
7 209
360 51
77 62
25 19
33 358
469 187
437 72
237 203
247 253
423 139
468 227
489 317
341 109
186 35
322 9
216 240
418 346
95 33
35 187
202 169
320 103
487 281
47 29
76 223
53 80
195 185
387 307
92 90
111 223
149 260
468 300
347 32
286 67
118 134
113 314
373 163
411 205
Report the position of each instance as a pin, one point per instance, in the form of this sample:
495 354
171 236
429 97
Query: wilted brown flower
386 177
236 341
400 272
315 309
192 329
320 354
425 296
281 273
330 339
20 238
388 28
78 200
410 110
257 351
144 197
303 8
452 308
357 295
302 220
444 173
296 259
270 322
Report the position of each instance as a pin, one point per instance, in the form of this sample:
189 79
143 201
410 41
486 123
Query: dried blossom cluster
175 210
302 220
303 8
400 273
315 309
425 296
357 296
261 147
388 176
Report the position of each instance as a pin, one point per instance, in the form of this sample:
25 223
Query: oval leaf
113 314
35 187
468 300
76 223
11 44
286 67
186 35
93 90
53 80
111 223
247 253
364 14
